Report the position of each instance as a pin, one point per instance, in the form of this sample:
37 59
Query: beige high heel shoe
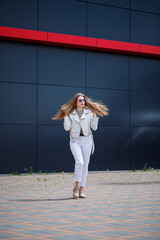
81 193
76 192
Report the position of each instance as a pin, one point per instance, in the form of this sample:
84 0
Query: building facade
37 77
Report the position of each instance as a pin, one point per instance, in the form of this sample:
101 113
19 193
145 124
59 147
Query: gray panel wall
36 80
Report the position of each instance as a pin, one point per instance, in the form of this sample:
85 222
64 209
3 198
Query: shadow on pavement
130 183
41 200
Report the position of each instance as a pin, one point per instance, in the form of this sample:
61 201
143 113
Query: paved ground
119 205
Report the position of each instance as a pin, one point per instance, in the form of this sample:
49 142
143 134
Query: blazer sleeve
94 122
67 123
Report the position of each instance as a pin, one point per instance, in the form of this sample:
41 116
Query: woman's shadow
41 200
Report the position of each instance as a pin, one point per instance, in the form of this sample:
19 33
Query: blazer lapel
84 115
75 116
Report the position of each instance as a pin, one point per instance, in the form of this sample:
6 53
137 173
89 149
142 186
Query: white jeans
81 149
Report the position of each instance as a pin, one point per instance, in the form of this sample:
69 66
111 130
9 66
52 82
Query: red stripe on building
65 40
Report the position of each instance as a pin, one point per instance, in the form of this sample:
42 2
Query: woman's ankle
76 184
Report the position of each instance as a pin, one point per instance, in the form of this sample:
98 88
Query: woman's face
80 102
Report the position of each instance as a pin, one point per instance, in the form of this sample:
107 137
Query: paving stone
119 205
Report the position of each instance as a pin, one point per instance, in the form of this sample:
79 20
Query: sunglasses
81 100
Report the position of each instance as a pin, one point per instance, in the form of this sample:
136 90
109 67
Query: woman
79 117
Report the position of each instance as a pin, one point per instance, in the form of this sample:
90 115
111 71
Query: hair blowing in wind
95 106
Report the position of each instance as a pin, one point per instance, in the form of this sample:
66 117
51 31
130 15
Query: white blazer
73 124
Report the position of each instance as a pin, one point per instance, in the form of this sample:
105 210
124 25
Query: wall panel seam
37 107
124 8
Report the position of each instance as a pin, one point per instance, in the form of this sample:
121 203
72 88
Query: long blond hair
96 107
